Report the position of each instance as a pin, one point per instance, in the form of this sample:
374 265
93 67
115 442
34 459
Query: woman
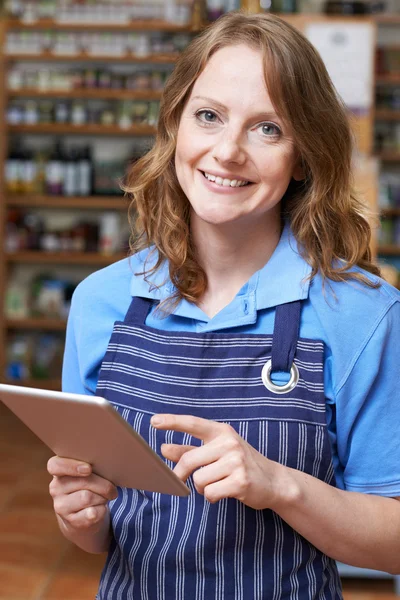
254 344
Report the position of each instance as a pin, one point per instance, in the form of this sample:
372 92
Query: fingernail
83 469
156 420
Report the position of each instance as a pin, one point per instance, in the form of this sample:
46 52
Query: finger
59 466
72 503
174 451
225 488
202 429
200 456
216 471
95 484
86 518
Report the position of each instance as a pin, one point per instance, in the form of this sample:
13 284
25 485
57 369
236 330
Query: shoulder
354 318
343 300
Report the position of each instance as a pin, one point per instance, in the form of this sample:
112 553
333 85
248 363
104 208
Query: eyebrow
266 114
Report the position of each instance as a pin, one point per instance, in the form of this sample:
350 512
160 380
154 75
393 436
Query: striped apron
171 548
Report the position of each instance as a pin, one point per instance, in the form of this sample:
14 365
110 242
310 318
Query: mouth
225 182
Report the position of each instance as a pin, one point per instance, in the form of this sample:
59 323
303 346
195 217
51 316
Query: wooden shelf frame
87 94
132 26
388 79
36 323
45 384
167 58
38 257
389 249
390 212
72 202
387 115
93 129
388 157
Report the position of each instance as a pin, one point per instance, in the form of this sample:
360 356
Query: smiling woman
248 339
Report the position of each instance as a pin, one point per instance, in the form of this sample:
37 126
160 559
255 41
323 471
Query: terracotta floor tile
33 524
29 553
77 576
22 584
36 499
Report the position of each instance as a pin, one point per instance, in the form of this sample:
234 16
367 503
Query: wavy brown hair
327 219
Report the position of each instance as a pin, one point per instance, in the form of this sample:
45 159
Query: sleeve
72 379
368 413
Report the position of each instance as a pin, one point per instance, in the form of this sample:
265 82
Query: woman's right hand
79 496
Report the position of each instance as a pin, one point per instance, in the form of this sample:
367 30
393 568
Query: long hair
328 221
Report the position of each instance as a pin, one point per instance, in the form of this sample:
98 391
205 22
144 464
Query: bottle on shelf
85 172
55 171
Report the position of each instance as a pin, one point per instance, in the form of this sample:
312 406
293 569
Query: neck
230 255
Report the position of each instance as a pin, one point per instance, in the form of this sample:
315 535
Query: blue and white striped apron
171 548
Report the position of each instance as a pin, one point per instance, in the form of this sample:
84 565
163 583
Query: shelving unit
387 81
95 204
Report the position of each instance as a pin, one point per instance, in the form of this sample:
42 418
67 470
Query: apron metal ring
279 389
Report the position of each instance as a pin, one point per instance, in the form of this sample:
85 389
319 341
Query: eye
270 129
206 116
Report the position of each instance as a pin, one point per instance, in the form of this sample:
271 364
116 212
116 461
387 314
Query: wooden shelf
82 94
68 129
168 58
36 323
80 202
387 19
389 250
387 115
45 384
390 212
389 79
62 258
388 156
139 25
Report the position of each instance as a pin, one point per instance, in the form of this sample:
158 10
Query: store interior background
80 86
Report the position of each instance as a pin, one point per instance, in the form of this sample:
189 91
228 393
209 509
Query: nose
229 148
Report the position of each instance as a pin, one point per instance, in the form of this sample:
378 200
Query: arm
358 529
80 499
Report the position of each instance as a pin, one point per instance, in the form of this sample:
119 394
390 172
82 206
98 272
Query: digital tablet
88 428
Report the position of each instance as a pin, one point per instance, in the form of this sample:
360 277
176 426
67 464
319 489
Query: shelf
81 202
65 258
388 19
388 156
389 79
68 129
389 250
387 115
45 384
168 58
142 25
390 212
37 323
82 94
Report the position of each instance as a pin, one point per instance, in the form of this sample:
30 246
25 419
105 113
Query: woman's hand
225 466
79 496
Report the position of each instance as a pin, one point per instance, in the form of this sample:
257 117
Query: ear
298 170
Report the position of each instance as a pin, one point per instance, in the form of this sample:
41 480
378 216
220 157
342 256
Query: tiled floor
36 562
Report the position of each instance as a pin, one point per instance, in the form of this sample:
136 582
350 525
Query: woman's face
234 156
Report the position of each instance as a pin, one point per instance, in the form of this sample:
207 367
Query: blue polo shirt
359 326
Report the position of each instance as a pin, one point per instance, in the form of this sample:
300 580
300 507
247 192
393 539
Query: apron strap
286 333
138 311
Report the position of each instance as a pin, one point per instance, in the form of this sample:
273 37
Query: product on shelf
34 356
79 113
122 12
136 44
28 231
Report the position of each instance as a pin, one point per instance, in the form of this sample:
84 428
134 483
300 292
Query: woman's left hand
225 466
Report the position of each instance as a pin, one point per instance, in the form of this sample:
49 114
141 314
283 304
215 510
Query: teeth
225 182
